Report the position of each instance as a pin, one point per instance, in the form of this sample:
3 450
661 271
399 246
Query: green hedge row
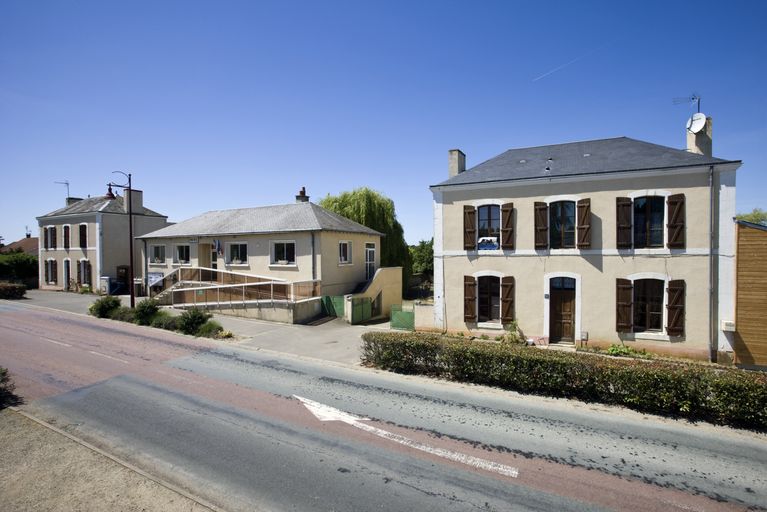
12 291
697 392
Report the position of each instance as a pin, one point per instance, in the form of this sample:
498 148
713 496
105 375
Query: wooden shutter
54 271
66 230
541 225
507 299
507 226
53 237
469 228
45 239
46 264
676 221
79 273
584 223
88 273
469 299
675 307
624 297
623 222
83 236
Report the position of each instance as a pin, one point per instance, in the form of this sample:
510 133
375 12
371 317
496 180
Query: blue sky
215 105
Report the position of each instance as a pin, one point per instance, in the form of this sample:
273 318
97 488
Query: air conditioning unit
728 326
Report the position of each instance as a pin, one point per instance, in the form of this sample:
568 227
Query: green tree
17 266
375 211
757 216
422 256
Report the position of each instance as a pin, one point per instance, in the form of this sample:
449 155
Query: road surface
256 430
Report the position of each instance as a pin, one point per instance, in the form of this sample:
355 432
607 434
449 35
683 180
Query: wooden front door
562 309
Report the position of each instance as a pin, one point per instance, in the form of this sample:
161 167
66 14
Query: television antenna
692 98
65 182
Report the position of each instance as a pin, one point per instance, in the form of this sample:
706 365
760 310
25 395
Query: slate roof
103 204
282 218
620 154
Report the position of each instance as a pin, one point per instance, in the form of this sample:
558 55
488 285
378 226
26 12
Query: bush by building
12 291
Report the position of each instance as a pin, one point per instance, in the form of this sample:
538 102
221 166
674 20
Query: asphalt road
224 423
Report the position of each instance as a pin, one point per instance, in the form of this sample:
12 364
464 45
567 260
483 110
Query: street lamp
129 197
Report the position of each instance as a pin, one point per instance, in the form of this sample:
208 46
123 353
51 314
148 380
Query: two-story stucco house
88 239
597 242
293 242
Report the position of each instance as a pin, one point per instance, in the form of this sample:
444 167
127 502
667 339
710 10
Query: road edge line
127 465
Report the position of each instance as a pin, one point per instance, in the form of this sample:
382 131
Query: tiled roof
27 245
103 204
579 159
263 219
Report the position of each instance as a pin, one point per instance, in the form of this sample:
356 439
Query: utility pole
129 197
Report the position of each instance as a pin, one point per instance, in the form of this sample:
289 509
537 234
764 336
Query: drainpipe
713 341
146 270
314 261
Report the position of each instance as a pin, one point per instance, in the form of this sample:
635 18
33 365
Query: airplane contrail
558 68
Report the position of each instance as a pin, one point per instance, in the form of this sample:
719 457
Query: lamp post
129 197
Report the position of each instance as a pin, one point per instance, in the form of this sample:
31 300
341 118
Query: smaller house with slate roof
291 243
595 242
88 239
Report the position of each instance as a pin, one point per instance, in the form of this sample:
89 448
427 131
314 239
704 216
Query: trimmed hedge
12 291
697 392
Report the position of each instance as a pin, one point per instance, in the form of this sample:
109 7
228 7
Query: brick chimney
302 197
456 162
700 142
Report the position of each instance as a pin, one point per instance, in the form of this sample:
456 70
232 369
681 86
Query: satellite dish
696 123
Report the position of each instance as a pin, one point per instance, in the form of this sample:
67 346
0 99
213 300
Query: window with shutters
562 225
65 234
49 237
84 273
648 221
489 227
488 299
83 236
648 305
51 271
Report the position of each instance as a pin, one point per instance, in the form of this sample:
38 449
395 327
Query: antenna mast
65 182
693 98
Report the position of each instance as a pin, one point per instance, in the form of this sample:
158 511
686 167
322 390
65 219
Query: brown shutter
676 221
88 273
45 239
584 223
507 226
541 225
507 299
79 273
53 237
623 222
624 296
66 230
54 271
675 307
83 236
469 299
469 228
47 274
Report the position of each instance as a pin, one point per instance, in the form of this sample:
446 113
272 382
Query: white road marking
108 357
56 342
326 413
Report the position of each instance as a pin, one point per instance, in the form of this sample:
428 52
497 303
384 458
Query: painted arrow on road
326 413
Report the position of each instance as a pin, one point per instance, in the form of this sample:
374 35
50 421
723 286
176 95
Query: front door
562 309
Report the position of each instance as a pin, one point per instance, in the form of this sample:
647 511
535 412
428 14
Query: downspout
99 254
713 342
145 270
314 261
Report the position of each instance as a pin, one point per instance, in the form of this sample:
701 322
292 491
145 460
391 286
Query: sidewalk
334 340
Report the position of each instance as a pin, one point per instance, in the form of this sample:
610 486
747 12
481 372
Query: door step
564 347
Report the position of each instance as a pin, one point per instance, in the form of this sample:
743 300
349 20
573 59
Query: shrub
103 307
191 320
146 311
7 397
164 320
226 334
12 291
210 329
697 392
123 314
624 351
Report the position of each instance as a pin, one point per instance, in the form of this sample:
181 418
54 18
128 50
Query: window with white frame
181 255
51 271
345 253
49 237
66 235
237 254
157 254
283 253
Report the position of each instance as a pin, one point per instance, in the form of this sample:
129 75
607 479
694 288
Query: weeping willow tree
375 211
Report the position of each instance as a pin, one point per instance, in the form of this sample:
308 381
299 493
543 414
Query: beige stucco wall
115 241
341 278
74 254
596 269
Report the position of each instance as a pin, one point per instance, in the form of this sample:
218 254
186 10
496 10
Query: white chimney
136 197
456 162
700 142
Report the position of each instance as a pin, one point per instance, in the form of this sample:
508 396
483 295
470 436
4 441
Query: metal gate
362 310
402 319
333 305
